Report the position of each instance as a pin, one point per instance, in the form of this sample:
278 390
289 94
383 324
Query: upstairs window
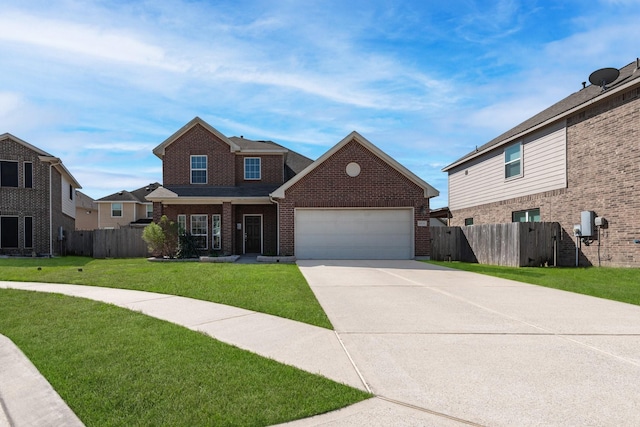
8 174
252 168
198 169
28 175
531 215
149 211
513 161
116 209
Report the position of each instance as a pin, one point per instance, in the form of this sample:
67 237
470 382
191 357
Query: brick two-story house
37 199
240 196
582 154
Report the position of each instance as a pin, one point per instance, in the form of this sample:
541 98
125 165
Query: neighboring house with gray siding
37 199
580 154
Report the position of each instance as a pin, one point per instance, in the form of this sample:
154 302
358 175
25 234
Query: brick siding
377 186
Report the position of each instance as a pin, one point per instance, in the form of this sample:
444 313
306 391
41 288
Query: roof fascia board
429 191
586 104
59 166
159 150
256 151
214 200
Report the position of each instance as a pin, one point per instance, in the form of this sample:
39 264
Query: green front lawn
618 284
278 289
116 367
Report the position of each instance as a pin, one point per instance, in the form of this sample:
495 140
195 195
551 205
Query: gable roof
44 157
629 76
24 143
429 191
137 196
159 150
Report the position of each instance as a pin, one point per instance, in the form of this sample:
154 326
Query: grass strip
618 284
116 367
278 289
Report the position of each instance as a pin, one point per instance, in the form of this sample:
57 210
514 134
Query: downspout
277 223
54 162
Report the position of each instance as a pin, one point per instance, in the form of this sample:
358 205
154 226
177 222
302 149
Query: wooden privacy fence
118 243
516 244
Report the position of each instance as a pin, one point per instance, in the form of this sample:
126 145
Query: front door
252 234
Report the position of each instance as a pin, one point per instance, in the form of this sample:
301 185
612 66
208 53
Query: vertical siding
544 166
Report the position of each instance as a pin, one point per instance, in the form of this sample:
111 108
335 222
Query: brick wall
377 185
176 165
23 202
603 173
272 169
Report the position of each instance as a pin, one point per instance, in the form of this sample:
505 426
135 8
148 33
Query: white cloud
80 39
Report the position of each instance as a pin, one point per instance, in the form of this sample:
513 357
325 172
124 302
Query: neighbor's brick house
242 196
581 154
37 199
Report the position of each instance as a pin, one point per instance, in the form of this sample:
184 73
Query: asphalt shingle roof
131 196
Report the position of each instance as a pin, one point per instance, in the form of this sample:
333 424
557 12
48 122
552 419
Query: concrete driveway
445 347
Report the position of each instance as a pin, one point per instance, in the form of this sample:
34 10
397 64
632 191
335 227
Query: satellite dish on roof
604 76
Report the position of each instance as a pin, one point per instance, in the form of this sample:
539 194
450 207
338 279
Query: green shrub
162 238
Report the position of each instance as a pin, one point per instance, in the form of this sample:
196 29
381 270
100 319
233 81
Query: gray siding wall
544 166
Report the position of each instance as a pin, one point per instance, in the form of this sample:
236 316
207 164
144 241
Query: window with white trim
513 161
116 210
182 224
149 210
530 215
216 236
252 169
199 230
468 221
198 169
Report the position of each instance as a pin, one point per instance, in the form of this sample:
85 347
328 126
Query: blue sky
101 83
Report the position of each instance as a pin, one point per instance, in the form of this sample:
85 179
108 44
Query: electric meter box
587 223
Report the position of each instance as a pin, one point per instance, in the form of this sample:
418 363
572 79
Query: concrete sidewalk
304 346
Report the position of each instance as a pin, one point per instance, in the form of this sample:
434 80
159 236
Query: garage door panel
354 233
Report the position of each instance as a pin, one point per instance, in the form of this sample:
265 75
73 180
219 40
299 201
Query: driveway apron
476 349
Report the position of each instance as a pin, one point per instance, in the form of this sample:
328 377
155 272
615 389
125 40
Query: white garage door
354 233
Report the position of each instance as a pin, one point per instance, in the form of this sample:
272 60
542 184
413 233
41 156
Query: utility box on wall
587 223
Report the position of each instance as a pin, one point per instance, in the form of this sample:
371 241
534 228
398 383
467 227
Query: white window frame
121 210
511 162
205 236
253 178
528 213
192 169
216 231
149 210
182 224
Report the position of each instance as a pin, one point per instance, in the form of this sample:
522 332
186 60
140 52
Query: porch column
227 228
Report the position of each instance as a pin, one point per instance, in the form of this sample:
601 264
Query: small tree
162 238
